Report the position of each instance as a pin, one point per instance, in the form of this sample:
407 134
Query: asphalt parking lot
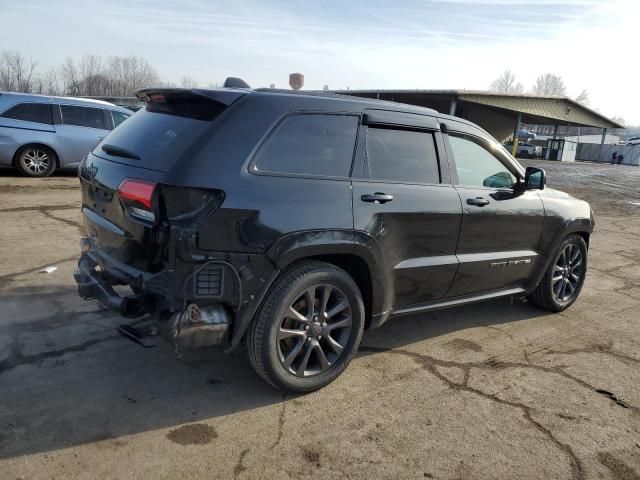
494 390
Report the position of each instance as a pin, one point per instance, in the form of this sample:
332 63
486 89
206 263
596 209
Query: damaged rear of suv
173 210
293 221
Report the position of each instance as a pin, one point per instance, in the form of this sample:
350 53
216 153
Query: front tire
36 161
565 277
308 328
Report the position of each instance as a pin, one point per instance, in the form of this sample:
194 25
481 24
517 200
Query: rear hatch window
159 134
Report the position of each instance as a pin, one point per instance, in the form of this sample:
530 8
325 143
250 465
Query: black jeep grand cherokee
294 221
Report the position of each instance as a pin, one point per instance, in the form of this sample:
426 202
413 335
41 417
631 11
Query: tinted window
82 116
157 139
477 166
311 145
118 117
402 156
30 112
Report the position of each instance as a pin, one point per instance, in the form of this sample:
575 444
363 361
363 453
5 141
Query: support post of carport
453 106
514 149
604 139
555 131
604 136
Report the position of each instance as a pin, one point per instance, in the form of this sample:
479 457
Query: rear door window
83 116
118 117
30 112
311 144
404 156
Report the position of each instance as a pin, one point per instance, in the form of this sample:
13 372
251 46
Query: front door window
477 166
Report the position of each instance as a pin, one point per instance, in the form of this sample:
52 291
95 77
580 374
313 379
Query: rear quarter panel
260 209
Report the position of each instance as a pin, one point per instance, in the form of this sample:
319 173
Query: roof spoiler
225 97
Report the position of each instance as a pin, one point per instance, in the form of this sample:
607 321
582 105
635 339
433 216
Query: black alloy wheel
308 328
314 330
564 278
567 273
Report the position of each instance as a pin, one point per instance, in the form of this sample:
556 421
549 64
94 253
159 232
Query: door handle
478 201
377 197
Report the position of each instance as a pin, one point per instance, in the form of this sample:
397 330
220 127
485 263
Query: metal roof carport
500 114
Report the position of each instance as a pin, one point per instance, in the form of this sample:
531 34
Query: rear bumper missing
167 294
192 328
98 285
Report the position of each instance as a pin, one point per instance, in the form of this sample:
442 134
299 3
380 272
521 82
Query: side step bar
512 292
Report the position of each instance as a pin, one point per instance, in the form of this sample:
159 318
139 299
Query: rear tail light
137 195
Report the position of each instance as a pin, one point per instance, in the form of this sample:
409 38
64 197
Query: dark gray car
41 133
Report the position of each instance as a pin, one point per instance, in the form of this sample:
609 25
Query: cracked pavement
494 390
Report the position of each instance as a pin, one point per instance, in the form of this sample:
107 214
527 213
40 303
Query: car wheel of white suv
36 161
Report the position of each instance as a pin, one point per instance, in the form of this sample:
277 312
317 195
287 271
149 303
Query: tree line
545 84
92 75
118 76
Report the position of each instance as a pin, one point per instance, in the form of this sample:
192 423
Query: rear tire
308 328
564 278
36 161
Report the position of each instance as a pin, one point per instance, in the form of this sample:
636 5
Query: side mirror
535 178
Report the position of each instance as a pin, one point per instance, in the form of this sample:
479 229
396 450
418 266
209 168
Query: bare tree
619 120
583 98
506 83
17 74
51 83
71 79
129 74
117 76
86 78
94 79
188 82
92 75
549 84
167 84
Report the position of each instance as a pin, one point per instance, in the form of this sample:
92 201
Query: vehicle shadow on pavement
68 378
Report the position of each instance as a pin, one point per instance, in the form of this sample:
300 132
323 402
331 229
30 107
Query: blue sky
354 43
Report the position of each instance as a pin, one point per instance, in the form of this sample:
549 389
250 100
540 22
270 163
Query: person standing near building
614 157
